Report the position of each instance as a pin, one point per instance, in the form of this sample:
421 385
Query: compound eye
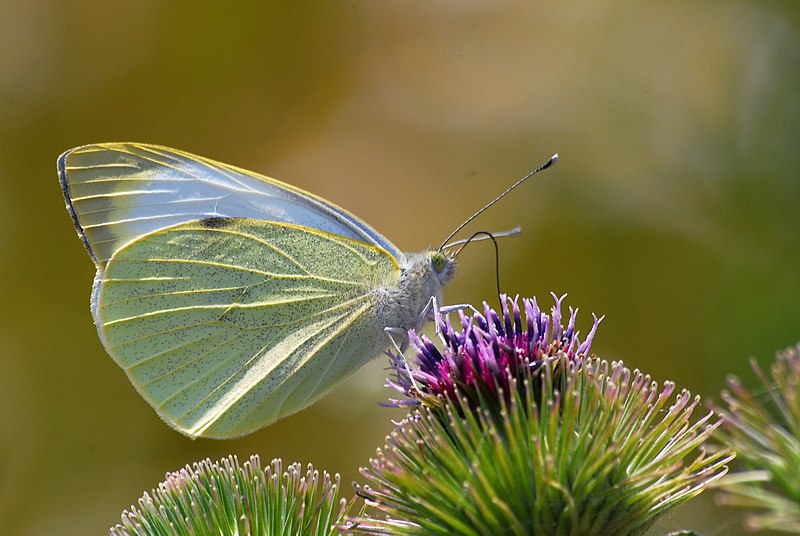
438 261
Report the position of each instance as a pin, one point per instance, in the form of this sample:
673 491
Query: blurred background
673 210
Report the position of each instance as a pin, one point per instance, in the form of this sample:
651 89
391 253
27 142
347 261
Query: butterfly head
443 265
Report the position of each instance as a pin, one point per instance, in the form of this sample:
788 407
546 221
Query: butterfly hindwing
225 325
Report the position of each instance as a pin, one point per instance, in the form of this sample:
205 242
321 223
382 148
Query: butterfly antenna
553 160
516 231
490 236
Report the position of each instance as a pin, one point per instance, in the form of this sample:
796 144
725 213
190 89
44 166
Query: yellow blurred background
675 209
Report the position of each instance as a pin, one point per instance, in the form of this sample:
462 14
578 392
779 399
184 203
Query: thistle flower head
489 352
765 433
576 445
226 498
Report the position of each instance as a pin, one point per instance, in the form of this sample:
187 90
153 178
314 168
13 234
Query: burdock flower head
764 430
488 355
515 430
226 498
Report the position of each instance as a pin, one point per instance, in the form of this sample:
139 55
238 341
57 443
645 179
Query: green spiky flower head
764 430
228 499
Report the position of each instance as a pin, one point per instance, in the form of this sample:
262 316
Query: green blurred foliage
673 211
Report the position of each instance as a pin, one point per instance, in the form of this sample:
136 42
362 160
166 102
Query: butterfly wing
117 192
226 325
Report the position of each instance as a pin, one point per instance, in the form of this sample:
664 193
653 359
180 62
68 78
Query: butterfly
231 299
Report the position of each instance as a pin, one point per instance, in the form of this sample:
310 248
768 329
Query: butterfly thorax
422 277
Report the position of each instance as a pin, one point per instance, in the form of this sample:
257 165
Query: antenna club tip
553 160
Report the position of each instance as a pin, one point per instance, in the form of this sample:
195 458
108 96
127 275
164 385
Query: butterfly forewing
226 325
117 192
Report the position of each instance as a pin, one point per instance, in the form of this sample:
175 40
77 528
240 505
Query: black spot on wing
218 223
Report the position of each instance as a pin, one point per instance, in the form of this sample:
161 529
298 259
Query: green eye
438 261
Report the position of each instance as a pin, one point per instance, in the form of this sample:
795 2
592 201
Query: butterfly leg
432 310
399 348
401 334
